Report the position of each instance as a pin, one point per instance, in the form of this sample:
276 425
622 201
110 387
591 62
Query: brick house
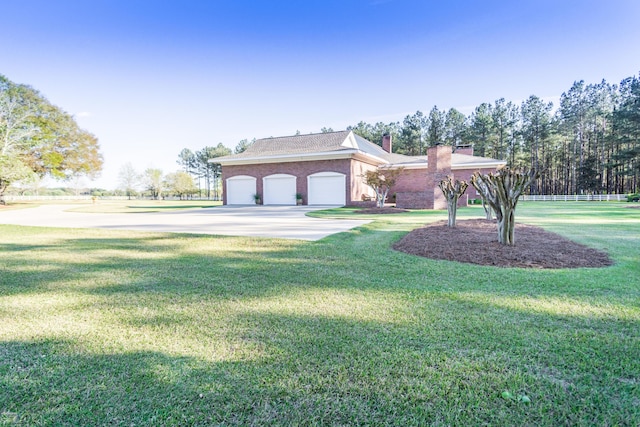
327 169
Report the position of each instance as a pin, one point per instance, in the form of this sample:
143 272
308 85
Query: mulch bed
475 241
383 211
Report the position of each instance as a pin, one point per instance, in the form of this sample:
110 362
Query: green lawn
120 328
118 206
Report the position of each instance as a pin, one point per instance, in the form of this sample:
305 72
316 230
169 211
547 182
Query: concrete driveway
287 222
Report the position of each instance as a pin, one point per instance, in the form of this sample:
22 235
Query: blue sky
150 78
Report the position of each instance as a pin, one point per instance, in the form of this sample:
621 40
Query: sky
149 78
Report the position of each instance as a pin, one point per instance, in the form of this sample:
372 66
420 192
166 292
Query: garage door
279 189
240 190
327 188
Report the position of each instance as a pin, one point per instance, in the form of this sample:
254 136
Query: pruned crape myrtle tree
501 190
452 191
381 180
488 212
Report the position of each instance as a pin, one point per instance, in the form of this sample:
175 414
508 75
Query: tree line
198 176
208 174
589 144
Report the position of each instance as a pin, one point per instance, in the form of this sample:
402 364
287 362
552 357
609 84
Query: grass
119 328
139 206
119 206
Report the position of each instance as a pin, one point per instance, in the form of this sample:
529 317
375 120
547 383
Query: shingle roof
333 142
467 159
296 144
329 142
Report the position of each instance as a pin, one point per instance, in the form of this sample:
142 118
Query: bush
633 197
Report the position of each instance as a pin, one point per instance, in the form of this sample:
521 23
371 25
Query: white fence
576 198
14 198
11 198
529 198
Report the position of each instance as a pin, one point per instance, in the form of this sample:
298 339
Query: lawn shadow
324 370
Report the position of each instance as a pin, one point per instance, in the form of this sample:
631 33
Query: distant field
103 327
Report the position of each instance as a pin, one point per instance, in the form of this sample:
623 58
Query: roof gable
334 145
292 148
298 144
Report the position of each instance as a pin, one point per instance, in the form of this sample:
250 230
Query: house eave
420 165
284 158
479 165
306 157
461 166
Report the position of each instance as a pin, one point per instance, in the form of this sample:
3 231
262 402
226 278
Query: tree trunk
501 191
506 227
488 212
452 208
381 196
452 190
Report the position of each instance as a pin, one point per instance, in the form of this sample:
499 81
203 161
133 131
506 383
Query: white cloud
84 114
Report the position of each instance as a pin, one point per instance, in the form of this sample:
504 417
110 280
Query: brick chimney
386 142
464 149
438 167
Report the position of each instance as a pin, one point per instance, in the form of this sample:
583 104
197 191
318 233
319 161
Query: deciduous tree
128 180
180 184
452 191
501 190
12 169
154 182
381 180
37 135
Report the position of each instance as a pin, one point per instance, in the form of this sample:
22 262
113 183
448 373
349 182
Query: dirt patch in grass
382 211
474 241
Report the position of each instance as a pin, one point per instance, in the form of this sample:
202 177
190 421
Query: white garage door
240 190
279 189
327 188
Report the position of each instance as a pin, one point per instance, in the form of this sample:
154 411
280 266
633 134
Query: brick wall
465 149
410 180
354 187
358 187
438 170
414 199
414 189
418 188
465 174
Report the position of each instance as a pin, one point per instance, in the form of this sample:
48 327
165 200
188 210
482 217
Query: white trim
421 165
307 157
347 154
241 177
326 174
342 154
279 175
478 165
